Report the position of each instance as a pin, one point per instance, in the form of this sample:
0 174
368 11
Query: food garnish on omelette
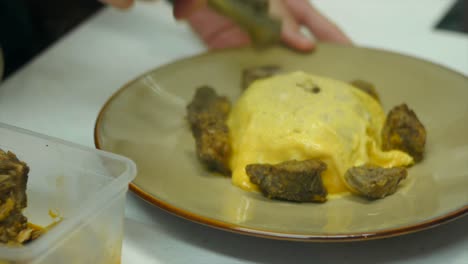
300 137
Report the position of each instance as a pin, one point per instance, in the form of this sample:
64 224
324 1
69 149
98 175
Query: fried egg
299 116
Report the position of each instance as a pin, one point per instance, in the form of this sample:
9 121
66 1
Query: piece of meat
366 87
299 181
374 182
252 74
403 131
13 179
207 115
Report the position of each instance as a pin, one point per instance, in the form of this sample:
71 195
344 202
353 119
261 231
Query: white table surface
61 91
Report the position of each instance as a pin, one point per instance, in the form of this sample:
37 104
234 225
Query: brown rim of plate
347 237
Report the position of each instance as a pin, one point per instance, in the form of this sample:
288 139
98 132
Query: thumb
290 31
317 23
184 8
294 38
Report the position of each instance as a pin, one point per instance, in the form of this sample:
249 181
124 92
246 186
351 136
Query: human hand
220 32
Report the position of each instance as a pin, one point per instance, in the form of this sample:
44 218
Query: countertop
62 90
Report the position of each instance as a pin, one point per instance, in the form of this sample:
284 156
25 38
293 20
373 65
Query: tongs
252 16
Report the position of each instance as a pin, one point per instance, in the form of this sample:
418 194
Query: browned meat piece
299 181
366 87
374 182
403 131
252 74
207 115
13 179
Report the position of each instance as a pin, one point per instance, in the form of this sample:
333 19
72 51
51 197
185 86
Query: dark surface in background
29 26
456 19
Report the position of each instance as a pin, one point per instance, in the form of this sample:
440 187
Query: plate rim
230 227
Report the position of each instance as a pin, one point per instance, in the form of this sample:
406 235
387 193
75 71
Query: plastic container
85 186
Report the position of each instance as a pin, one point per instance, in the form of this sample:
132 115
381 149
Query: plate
145 121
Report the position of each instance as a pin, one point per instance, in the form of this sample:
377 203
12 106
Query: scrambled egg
302 116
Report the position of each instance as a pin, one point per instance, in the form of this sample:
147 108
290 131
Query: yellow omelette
302 116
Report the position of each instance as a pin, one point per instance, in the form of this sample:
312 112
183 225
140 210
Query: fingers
322 28
216 31
184 8
233 37
207 23
290 32
219 32
296 40
121 4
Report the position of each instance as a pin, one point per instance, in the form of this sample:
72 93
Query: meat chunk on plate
293 180
366 87
207 114
374 182
250 75
403 131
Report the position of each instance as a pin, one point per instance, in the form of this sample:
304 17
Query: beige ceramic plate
145 122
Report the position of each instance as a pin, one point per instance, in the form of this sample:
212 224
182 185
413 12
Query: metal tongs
252 16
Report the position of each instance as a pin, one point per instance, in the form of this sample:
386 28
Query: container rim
89 205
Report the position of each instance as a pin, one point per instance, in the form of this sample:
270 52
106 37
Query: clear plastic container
85 186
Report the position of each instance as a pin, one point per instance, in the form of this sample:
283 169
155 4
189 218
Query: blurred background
29 26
